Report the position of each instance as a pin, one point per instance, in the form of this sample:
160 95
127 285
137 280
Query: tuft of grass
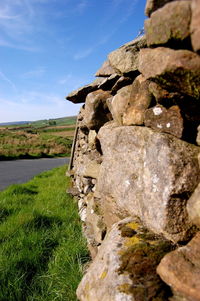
42 249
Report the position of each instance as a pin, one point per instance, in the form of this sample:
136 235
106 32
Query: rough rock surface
193 207
140 100
119 103
125 59
195 25
163 96
96 112
167 121
153 5
125 266
198 135
171 22
178 70
181 269
129 104
105 70
150 175
109 82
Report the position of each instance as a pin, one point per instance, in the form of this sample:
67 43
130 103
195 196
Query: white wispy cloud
7 80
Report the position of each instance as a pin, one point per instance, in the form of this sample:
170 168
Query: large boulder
174 70
195 25
170 23
125 59
125 267
181 269
148 174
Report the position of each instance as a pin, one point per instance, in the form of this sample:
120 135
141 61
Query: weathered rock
139 101
96 111
95 229
181 269
129 104
198 135
193 207
195 25
167 121
125 266
105 70
148 174
125 59
92 137
170 23
109 82
119 103
163 96
174 70
121 82
79 95
153 5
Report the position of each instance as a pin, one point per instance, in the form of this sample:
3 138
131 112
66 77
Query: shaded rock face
124 268
172 69
153 5
181 269
171 23
96 112
130 173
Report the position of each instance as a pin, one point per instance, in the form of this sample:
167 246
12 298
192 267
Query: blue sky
50 47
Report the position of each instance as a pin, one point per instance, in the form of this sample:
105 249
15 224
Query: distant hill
38 123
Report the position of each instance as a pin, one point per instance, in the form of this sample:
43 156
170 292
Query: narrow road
21 171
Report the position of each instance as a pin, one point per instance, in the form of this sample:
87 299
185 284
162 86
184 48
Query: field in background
43 138
42 250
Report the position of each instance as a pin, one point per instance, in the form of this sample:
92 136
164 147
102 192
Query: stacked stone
136 155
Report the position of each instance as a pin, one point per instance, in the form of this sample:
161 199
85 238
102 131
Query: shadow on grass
5 213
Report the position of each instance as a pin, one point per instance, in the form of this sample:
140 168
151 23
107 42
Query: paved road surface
21 171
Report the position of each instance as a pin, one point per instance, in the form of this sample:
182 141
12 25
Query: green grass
42 250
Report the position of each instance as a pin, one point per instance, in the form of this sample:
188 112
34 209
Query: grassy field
42 250
38 139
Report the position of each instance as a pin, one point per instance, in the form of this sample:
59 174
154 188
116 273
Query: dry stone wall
135 163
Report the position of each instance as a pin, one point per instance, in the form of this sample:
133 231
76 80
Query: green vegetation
42 250
38 139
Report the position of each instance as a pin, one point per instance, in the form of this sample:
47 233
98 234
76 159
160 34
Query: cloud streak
7 80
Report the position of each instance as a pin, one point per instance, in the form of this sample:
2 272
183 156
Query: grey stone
109 82
125 59
121 82
198 135
148 174
171 22
174 70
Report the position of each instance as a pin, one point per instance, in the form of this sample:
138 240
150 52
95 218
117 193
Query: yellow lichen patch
124 288
104 274
132 225
131 241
